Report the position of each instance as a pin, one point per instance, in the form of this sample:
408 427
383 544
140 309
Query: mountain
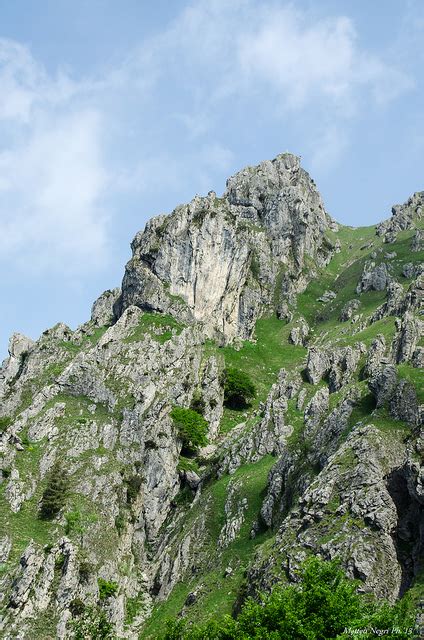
110 507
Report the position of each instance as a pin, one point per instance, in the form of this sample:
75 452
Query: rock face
338 365
352 515
299 333
374 278
102 309
349 309
326 458
219 260
403 217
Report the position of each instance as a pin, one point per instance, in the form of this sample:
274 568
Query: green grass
261 360
158 326
24 526
415 377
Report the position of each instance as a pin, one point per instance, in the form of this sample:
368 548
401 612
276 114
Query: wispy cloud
153 120
52 176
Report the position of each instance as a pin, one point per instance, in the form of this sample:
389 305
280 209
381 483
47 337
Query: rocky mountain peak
223 261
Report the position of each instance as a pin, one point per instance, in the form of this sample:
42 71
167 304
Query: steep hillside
108 514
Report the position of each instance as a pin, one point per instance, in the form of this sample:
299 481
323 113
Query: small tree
54 496
192 427
239 389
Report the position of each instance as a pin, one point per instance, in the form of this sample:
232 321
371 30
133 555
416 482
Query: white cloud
244 46
51 170
50 215
55 175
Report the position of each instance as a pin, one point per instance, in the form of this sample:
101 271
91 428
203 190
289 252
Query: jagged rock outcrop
218 260
338 365
399 396
349 309
299 333
12 367
102 310
403 217
374 277
350 511
417 243
268 436
375 356
383 384
409 332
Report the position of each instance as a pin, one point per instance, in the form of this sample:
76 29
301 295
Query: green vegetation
55 493
73 522
133 607
92 623
185 464
158 326
323 605
261 360
192 427
4 423
255 267
106 589
133 484
238 388
218 590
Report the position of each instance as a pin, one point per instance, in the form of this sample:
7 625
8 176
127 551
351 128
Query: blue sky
111 112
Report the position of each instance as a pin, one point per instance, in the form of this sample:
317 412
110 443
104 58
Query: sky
114 111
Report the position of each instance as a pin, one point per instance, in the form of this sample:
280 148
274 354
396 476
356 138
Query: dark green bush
192 427
133 484
120 522
55 493
320 607
4 423
106 588
239 389
85 570
197 403
92 624
77 607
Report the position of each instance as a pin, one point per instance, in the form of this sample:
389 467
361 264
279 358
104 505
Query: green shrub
239 389
197 403
85 570
133 487
320 607
55 493
120 522
77 607
73 522
106 588
92 624
192 427
4 423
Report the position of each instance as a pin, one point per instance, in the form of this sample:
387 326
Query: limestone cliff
222 261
